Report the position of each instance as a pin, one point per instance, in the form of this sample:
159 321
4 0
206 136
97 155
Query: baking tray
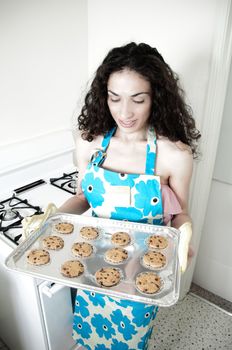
126 289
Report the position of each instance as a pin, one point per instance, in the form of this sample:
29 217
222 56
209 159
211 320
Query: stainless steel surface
170 274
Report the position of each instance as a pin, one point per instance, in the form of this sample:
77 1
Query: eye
138 101
92 294
147 314
113 99
154 200
122 324
79 326
105 327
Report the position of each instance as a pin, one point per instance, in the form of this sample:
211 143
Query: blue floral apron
102 322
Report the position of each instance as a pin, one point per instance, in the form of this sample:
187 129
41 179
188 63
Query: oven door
56 304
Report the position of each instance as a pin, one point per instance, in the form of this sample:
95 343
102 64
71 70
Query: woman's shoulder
175 161
175 150
84 147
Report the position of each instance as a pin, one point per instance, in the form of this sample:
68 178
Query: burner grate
12 212
67 182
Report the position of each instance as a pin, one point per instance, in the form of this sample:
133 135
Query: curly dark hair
170 115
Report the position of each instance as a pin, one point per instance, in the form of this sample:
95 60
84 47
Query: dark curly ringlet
170 115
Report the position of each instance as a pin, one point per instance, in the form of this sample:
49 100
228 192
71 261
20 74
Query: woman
135 155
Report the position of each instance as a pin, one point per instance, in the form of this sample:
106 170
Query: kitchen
49 52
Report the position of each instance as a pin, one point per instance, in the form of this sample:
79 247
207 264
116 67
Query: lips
127 124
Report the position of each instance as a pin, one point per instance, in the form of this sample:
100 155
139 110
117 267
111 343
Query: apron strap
106 139
151 152
99 155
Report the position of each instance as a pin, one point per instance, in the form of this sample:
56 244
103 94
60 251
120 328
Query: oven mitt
185 237
34 222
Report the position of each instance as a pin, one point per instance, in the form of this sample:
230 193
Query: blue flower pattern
130 214
118 345
96 298
124 325
82 306
93 190
103 326
147 198
113 323
121 302
120 179
143 315
82 327
146 191
100 347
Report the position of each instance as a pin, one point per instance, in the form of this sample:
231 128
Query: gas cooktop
19 205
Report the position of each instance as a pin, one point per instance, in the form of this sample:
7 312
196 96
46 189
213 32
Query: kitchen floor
193 324
202 321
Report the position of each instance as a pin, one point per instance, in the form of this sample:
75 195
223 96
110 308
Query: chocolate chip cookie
108 276
116 255
82 249
64 227
89 232
38 257
72 268
121 239
157 242
148 282
154 260
53 242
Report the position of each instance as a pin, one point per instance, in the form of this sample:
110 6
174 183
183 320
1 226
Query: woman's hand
185 251
34 222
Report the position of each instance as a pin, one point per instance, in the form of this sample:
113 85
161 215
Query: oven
35 314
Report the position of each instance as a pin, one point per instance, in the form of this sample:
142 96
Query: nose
126 111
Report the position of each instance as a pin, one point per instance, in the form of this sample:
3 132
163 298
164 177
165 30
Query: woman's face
129 100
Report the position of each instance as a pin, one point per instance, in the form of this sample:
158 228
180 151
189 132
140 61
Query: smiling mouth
128 124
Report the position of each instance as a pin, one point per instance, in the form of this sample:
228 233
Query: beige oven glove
185 237
34 222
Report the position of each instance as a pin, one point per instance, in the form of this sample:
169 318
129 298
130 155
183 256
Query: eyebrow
134 95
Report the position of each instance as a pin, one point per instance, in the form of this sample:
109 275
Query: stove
27 189
30 199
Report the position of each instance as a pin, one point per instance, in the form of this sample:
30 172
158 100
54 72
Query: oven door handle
51 289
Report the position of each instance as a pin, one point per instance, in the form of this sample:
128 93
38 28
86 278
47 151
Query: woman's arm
179 181
75 205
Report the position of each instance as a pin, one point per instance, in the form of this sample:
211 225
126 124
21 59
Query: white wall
213 269
43 69
182 30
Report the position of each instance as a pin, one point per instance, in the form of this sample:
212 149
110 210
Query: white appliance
34 315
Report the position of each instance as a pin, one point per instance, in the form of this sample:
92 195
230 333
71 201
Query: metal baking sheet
126 289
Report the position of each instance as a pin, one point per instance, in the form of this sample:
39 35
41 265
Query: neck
140 135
